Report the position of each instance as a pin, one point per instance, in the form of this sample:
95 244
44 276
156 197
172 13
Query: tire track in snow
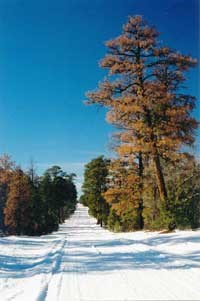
77 267
54 269
56 286
34 266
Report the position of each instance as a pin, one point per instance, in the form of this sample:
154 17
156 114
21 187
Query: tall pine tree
145 100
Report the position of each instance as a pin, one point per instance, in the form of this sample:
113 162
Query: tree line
113 199
33 205
154 180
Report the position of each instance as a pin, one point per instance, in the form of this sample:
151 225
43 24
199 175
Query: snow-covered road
82 262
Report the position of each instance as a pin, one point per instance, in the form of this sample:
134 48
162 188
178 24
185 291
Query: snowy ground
82 262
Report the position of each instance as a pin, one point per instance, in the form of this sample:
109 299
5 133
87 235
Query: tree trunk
156 159
140 207
155 205
160 177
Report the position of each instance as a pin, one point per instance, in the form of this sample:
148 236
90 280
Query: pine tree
95 178
70 197
51 219
58 195
183 181
144 98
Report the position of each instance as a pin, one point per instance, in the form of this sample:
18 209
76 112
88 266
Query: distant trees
58 194
32 205
145 99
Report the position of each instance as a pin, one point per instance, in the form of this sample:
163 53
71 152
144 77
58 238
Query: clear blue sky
49 53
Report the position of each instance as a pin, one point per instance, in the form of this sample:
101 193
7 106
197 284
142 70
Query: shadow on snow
93 255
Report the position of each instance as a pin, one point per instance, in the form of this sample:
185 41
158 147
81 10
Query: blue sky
49 53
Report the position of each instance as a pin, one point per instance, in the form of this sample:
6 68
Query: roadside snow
82 262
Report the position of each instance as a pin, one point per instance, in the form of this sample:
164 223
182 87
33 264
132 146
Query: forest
33 205
154 180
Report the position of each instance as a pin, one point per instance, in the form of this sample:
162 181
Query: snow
82 262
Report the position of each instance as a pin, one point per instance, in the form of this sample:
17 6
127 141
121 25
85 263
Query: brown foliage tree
17 213
6 170
123 191
145 99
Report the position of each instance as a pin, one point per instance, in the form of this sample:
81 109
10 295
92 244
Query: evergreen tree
183 185
94 186
184 192
145 100
59 196
71 200
51 219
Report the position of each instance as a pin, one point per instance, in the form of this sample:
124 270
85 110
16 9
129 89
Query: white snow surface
83 262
